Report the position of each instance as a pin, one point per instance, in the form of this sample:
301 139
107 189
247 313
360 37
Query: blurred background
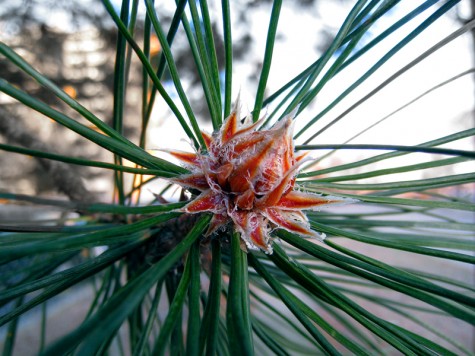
73 43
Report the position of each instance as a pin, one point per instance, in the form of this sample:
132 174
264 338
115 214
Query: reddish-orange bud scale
223 173
285 223
197 181
251 141
207 201
245 201
299 201
229 127
258 237
186 157
207 139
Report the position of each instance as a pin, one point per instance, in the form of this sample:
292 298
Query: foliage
373 286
